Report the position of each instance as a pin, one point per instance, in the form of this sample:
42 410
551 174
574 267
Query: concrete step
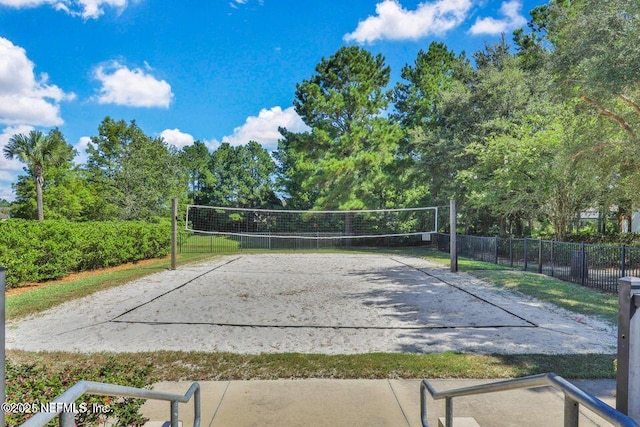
366 403
460 422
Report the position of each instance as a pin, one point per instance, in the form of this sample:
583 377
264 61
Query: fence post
496 250
540 256
583 264
510 251
553 257
628 375
526 255
174 233
481 248
453 249
623 261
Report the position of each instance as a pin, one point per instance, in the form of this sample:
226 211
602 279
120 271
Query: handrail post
448 412
174 413
571 412
67 419
628 375
196 408
423 405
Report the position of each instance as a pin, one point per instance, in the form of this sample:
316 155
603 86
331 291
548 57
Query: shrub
33 251
629 239
34 384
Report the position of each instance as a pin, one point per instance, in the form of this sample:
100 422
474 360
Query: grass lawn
172 366
200 366
211 243
578 299
572 297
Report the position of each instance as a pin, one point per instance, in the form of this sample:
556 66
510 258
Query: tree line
526 134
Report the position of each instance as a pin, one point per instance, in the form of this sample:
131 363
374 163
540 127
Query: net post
453 250
174 233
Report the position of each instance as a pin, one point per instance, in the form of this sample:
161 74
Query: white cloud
512 19
87 9
236 4
393 22
9 169
6 192
81 149
264 128
133 88
26 3
177 138
94 8
212 145
25 98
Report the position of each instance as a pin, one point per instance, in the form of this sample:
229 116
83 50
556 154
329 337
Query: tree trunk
39 182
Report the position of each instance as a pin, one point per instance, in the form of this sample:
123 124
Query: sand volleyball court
311 303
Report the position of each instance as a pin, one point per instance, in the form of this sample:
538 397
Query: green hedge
629 239
34 251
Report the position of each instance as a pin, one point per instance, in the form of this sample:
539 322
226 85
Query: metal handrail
66 399
573 397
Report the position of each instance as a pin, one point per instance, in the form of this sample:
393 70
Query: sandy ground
311 303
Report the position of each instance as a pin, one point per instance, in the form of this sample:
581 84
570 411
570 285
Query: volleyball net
312 224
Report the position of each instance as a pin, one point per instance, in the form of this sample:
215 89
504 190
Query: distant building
635 222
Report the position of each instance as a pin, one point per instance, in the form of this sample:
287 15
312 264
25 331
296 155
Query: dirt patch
27 286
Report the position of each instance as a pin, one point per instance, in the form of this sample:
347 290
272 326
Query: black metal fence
593 266
189 242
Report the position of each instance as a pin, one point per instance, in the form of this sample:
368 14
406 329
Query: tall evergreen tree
195 161
241 177
135 175
347 160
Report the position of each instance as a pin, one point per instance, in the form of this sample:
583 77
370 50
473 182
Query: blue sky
209 70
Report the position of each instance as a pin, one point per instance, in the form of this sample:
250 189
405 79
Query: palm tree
37 150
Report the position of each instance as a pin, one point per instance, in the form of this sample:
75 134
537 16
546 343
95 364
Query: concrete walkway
367 403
